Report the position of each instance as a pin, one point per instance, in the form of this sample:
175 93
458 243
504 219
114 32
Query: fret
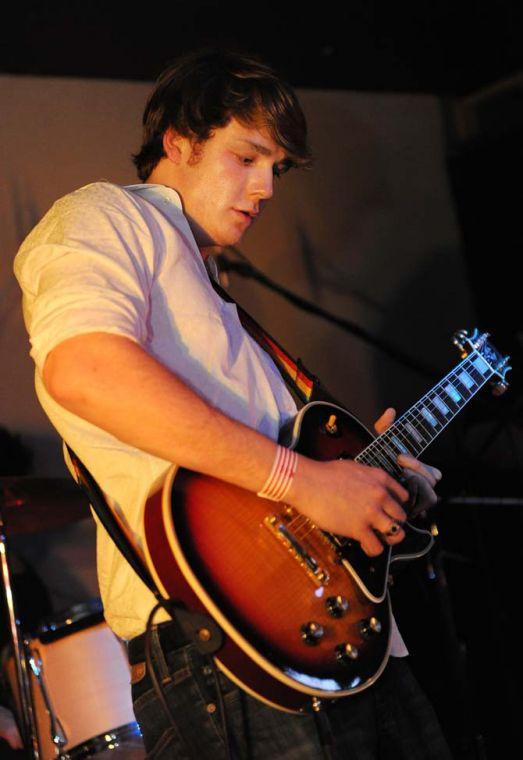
395 441
441 406
475 375
422 424
436 411
413 419
409 437
453 395
424 421
481 365
427 414
466 380
398 441
378 454
460 388
414 434
394 445
378 457
394 468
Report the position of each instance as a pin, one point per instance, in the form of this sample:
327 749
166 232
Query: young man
139 363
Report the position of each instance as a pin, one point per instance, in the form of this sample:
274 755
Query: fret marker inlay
481 365
429 417
466 379
398 444
441 406
414 433
452 392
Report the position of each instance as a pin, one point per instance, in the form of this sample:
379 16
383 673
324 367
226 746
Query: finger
395 489
432 474
395 537
385 421
385 524
423 495
371 544
393 510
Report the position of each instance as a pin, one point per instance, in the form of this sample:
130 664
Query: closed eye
280 169
245 160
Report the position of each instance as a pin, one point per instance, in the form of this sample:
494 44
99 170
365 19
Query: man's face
226 182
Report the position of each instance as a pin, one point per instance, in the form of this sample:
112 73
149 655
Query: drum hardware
58 735
80 688
71 685
27 717
28 505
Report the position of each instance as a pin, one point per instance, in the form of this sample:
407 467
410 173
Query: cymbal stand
28 727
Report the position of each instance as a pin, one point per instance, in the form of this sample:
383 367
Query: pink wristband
283 470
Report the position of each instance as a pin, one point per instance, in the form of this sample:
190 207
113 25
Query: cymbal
30 505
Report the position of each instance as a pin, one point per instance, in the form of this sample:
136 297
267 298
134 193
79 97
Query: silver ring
393 530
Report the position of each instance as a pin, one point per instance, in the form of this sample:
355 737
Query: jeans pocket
194 727
143 689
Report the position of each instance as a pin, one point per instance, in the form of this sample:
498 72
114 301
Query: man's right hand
350 499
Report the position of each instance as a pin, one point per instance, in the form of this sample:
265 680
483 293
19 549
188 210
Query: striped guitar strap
303 385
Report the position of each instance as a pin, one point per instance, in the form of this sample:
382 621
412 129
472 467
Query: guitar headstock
467 343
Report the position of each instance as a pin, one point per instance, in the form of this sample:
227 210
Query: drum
81 692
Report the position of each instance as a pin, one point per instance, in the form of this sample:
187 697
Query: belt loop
158 654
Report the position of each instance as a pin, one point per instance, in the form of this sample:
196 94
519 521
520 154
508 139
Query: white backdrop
369 233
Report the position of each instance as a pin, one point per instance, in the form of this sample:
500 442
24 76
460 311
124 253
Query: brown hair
203 90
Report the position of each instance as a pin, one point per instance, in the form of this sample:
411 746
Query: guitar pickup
278 529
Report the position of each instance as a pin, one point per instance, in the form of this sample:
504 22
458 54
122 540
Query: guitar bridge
281 531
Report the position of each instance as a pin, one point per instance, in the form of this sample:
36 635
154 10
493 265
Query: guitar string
415 416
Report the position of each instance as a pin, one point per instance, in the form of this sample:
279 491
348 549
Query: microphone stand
245 269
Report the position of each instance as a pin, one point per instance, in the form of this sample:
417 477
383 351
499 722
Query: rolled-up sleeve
85 270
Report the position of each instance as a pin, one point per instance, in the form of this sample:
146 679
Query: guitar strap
303 385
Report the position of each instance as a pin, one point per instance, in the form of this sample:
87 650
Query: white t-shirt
123 260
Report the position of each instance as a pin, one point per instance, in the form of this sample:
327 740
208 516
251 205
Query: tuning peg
459 338
498 389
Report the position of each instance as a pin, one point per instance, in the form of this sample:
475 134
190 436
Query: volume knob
370 627
312 633
346 653
337 606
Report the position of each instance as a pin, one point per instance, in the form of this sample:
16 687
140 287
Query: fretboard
423 422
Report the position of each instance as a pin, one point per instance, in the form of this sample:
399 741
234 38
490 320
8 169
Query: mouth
249 215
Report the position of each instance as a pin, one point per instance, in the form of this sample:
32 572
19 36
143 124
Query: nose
262 186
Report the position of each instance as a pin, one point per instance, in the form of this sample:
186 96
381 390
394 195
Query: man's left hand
421 478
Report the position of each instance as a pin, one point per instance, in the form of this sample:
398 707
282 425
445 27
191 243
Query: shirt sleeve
86 268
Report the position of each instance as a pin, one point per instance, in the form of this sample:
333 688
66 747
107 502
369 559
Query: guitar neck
424 421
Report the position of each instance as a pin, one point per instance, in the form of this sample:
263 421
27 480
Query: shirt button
211 708
207 670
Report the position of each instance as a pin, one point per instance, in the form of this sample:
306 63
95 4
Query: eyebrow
257 147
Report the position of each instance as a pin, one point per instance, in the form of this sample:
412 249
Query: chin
229 240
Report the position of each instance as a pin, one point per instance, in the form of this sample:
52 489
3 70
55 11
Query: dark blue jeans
391 720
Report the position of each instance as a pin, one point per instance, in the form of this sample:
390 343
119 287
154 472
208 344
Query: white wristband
283 470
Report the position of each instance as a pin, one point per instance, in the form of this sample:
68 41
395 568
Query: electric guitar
305 613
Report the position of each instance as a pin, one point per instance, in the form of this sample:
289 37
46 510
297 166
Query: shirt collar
164 198
168 201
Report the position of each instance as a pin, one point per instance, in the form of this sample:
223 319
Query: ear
173 145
